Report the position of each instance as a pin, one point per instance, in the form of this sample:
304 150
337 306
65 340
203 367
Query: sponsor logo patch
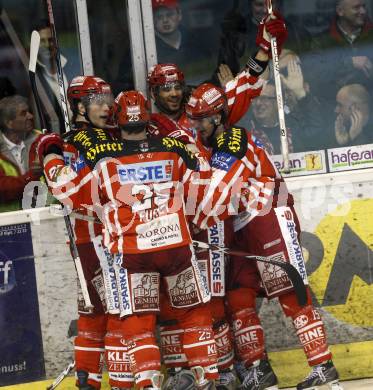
301 321
211 96
133 110
123 290
145 291
237 325
159 232
183 289
147 172
235 140
288 229
274 278
217 259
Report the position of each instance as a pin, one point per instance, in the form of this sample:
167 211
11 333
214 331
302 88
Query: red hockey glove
268 28
34 173
48 143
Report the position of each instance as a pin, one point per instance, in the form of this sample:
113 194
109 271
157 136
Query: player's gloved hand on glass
272 25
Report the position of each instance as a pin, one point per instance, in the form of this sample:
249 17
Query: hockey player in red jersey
141 185
91 102
167 87
268 227
212 265
166 83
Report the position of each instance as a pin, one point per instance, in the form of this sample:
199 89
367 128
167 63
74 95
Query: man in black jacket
46 70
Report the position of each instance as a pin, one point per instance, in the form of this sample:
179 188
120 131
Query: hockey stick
35 41
62 376
279 97
63 99
291 271
34 50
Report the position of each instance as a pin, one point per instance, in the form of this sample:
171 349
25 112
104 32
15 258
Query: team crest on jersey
69 158
224 161
146 172
144 147
79 164
257 142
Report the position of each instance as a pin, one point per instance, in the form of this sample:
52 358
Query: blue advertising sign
21 347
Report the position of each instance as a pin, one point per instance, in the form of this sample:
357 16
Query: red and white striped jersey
240 92
141 187
244 179
84 231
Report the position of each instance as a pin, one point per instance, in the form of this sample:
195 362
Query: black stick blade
295 278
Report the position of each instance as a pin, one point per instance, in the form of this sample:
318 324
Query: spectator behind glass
18 162
177 45
264 123
302 108
345 51
353 124
46 70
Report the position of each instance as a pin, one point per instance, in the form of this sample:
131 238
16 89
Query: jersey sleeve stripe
113 204
58 188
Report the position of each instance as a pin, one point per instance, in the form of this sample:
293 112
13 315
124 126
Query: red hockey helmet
83 86
165 3
162 74
131 108
206 100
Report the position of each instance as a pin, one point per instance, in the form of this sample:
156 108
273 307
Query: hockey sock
247 330
222 334
143 351
309 329
198 340
171 346
89 347
117 359
224 344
